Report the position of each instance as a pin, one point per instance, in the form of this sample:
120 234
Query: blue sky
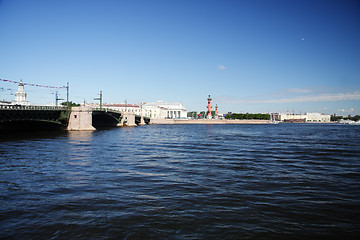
250 56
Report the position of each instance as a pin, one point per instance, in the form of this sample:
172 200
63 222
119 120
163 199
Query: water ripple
287 181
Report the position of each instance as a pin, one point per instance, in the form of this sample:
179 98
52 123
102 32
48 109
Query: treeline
72 104
335 118
202 114
261 116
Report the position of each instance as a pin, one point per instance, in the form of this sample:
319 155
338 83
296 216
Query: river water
285 181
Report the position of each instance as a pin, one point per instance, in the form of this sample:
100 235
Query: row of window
150 113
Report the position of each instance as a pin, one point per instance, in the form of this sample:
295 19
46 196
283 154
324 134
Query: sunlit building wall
309 117
155 110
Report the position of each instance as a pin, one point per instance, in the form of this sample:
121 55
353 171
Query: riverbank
207 121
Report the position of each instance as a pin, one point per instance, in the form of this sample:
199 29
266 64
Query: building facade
130 108
20 96
307 117
155 110
164 110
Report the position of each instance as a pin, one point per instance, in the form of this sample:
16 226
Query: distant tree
192 114
72 104
356 118
259 116
335 118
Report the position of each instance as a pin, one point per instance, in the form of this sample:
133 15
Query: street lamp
67 96
57 98
99 98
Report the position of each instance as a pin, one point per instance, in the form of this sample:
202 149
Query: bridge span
24 118
35 118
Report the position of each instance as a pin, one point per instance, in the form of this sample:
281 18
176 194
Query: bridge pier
128 119
80 119
142 122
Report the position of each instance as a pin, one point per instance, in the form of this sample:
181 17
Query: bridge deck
21 107
25 118
22 118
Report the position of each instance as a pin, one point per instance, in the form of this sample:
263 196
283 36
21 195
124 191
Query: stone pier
128 119
142 122
80 119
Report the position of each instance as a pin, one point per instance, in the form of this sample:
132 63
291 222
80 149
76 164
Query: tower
209 108
216 112
20 95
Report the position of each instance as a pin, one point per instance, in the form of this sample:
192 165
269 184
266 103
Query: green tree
192 114
259 116
356 118
72 104
335 118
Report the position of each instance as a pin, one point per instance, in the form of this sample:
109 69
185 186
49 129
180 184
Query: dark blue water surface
285 181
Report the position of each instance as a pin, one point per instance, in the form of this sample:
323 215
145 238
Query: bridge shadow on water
30 126
25 135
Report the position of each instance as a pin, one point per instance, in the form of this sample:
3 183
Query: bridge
22 118
25 118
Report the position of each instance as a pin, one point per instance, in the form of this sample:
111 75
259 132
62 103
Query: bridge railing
22 107
106 110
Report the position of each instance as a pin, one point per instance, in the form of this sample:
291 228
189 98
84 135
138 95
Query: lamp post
141 105
142 122
99 98
67 95
57 98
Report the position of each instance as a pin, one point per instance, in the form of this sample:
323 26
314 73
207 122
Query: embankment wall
207 121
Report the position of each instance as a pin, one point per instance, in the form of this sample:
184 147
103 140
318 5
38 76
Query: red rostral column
209 107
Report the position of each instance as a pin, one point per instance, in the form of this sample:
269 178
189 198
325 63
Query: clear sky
250 56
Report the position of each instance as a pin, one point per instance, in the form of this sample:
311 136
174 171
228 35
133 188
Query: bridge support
80 119
142 122
128 119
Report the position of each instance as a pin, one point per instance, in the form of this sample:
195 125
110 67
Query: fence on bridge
31 107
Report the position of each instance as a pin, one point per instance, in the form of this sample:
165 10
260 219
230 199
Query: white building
155 110
309 117
164 110
20 96
131 108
